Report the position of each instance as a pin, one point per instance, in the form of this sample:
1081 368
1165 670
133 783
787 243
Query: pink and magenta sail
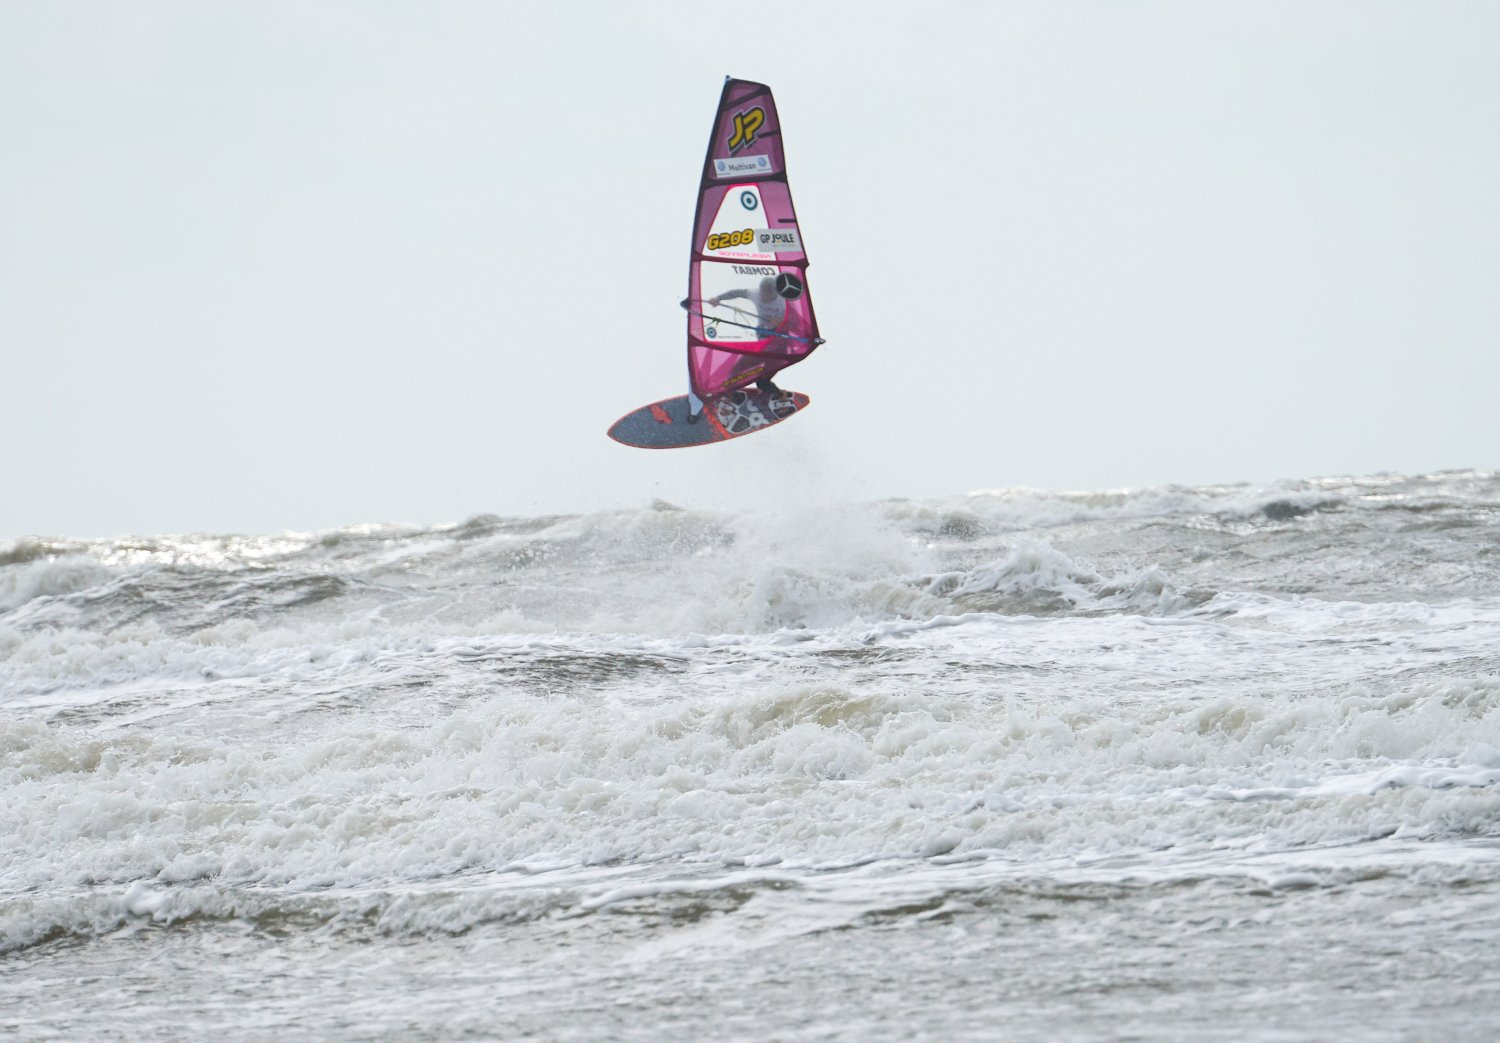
750 313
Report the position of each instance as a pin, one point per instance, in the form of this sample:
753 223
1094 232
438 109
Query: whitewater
1213 763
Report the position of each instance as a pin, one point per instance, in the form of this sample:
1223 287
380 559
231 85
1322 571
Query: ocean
1215 763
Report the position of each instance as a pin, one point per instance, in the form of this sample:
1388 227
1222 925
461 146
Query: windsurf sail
750 312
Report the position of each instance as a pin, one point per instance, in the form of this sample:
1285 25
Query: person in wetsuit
769 300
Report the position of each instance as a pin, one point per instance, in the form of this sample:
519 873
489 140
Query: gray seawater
1187 763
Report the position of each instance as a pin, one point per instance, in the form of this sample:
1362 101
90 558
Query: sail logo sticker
778 240
725 240
739 166
745 126
749 200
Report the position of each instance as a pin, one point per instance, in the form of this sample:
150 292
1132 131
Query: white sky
302 265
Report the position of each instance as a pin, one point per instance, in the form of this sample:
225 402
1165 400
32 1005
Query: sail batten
747 256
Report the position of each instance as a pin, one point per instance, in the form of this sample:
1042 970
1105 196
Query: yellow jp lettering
745 126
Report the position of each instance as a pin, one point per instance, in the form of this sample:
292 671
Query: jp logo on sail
745 126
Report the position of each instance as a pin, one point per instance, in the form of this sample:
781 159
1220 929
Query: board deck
664 424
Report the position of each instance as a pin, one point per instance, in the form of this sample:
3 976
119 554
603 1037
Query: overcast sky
273 266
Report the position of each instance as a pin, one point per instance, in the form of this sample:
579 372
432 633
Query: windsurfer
769 300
